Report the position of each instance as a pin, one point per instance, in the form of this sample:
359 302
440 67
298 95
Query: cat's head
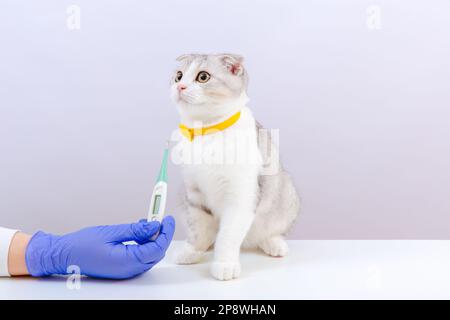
204 86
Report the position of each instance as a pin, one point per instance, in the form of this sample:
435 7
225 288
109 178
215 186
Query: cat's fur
230 203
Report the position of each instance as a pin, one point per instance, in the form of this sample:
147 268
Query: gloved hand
99 251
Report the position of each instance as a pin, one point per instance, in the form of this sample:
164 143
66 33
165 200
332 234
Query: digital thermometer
158 202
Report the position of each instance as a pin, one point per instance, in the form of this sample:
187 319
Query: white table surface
313 270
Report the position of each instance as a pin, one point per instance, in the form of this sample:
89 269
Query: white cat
237 194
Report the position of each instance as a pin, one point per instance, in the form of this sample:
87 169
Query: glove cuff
38 256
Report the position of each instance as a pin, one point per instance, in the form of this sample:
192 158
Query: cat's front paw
225 270
188 255
275 247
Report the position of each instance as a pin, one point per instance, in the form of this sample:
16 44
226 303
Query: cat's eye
203 77
178 76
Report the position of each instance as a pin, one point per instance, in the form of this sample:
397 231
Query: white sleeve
6 236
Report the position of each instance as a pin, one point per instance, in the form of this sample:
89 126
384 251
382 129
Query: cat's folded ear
233 63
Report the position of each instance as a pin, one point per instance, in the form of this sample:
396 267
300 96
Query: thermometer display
156 204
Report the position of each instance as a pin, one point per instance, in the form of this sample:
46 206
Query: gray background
364 115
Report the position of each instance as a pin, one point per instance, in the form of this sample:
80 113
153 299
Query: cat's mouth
180 98
186 98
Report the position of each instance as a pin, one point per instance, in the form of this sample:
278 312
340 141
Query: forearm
16 257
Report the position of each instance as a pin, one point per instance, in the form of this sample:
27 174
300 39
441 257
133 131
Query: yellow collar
190 133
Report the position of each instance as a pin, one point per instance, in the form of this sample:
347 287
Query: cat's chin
185 104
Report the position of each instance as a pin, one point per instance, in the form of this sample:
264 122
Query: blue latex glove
99 251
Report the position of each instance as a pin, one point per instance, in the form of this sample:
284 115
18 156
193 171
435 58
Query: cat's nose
181 87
